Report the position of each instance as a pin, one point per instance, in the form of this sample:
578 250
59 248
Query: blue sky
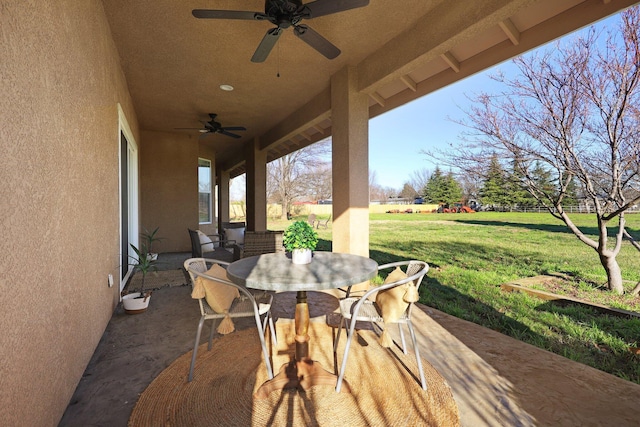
397 137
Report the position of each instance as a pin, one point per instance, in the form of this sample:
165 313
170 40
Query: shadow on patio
495 379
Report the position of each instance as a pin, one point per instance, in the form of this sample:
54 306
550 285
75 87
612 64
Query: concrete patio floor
496 380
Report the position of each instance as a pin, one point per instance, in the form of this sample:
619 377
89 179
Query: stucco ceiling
174 63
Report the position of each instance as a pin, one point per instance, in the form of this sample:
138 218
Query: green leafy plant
300 235
150 238
143 263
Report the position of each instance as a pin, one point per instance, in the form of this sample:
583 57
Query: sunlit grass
471 255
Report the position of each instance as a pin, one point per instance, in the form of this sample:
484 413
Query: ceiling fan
212 126
285 14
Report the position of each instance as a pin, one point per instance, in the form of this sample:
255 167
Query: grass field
471 255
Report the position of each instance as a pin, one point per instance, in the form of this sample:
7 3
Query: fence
539 209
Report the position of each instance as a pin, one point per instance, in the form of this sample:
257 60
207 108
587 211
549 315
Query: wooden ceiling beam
451 61
409 82
511 31
378 98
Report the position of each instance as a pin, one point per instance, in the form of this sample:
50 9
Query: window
204 191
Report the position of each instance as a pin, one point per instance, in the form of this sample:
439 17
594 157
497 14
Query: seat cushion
206 243
390 301
236 234
219 295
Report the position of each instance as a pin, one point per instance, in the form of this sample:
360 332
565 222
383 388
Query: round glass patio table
276 272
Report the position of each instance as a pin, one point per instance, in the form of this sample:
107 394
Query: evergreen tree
442 188
571 196
408 192
516 189
493 190
452 190
433 189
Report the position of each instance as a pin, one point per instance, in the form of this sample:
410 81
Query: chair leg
213 328
404 343
343 366
335 342
416 350
274 338
268 320
265 352
195 348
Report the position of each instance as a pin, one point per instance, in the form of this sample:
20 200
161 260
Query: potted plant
300 239
149 238
137 302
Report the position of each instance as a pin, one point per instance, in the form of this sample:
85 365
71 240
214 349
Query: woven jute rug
385 389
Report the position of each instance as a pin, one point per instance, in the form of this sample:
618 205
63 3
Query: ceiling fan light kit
284 14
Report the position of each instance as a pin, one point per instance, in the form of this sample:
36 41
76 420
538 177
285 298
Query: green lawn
471 255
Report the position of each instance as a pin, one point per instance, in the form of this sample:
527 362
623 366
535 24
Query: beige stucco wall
169 187
61 83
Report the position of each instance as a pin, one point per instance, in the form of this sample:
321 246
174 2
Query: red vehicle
454 208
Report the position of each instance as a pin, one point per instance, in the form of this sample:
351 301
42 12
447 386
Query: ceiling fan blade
232 135
268 41
225 14
234 128
327 7
187 128
316 41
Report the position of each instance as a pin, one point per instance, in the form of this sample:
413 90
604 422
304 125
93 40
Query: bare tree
321 179
379 192
418 180
299 175
573 110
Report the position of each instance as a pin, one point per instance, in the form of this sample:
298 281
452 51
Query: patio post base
302 375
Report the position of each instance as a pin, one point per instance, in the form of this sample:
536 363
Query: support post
350 159
256 162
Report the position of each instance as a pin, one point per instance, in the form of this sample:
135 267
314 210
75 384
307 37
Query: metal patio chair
324 223
362 308
256 304
217 248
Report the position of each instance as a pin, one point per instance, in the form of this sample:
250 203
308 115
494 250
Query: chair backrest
196 249
262 242
229 225
199 266
195 264
233 225
311 219
415 271
324 223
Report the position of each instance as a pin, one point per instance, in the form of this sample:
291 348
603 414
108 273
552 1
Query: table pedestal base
302 375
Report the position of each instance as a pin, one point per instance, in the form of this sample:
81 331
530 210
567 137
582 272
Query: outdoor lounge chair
262 242
323 223
247 304
355 309
233 231
216 247
311 219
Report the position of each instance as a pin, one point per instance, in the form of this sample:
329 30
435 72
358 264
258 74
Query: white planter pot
301 256
133 304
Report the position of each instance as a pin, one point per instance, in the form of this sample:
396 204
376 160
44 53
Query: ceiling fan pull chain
278 62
